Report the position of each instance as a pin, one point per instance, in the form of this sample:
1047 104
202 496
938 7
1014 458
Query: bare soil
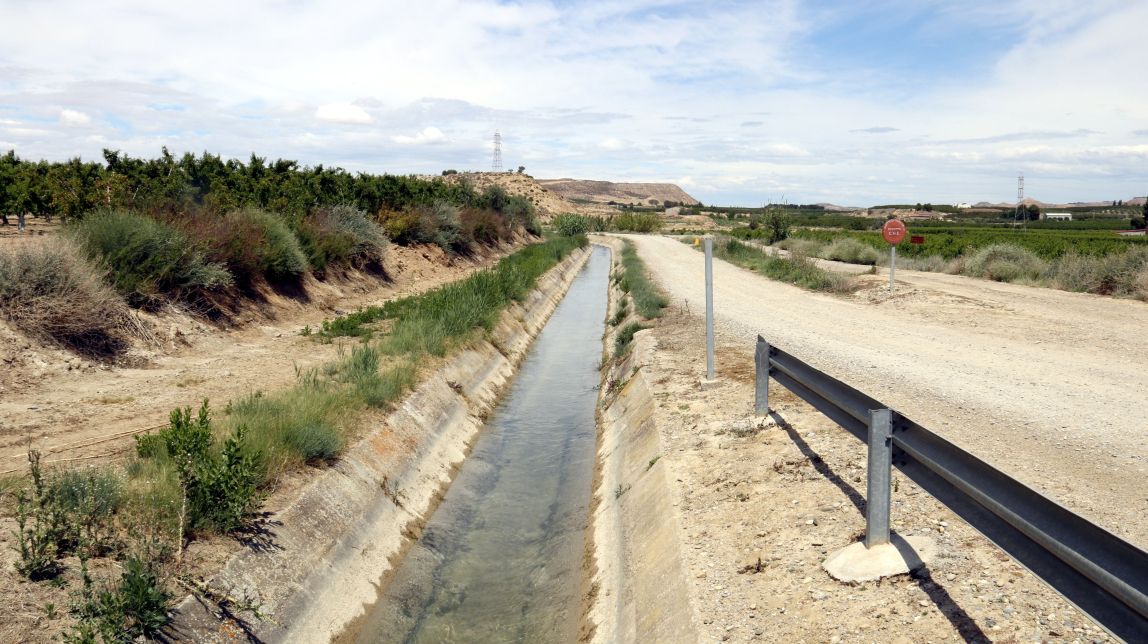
764 501
75 409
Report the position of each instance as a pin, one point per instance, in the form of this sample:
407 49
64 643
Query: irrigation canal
500 559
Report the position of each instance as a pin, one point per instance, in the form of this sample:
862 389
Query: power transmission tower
1021 212
496 164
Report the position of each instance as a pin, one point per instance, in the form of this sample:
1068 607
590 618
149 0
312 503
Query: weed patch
648 302
625 337
795 269
437 320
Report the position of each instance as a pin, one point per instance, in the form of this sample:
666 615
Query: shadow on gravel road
961 621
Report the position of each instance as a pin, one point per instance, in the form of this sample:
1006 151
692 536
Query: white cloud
429 135
342 113
647 89
74 118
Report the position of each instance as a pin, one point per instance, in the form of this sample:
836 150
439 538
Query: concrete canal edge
331 548
636 589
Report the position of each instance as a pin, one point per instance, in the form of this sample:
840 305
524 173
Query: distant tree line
170 184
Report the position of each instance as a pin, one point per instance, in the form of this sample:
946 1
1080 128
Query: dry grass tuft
49 289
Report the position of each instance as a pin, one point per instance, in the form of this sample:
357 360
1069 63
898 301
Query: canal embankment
324 557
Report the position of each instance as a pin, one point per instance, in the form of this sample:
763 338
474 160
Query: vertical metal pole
879 495
892 266
761 377
709 244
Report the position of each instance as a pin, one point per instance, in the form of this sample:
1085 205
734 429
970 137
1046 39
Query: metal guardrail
1101 574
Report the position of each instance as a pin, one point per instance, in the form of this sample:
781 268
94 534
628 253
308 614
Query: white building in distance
1057 216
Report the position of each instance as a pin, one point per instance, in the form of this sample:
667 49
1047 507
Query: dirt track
1044 384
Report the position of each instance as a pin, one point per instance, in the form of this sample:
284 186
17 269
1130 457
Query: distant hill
624 193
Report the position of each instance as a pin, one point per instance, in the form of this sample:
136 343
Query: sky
740 103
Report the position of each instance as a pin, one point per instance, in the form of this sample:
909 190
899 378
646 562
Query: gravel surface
1044 384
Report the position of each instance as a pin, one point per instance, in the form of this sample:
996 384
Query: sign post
709 248
894 232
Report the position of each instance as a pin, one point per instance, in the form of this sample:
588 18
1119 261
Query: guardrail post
761 377
878 496
709 245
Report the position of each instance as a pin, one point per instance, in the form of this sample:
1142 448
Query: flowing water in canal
499 560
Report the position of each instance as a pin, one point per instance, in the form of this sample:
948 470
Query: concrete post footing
855 563
708 384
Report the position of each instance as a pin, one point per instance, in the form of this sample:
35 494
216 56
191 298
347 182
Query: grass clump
796 269
251 243
52 291
648 302
620 314
1125 274
625 337
146 258
845 249
571 224
1005 263
341 235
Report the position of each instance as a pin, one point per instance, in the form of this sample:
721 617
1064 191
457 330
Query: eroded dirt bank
72 408
333 544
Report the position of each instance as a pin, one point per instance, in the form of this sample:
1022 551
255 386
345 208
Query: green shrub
341 235
50 290
1005 263
484 226
147 259
569 224
251 243
638 222
852 251
221 490
136 607
448 227
411 225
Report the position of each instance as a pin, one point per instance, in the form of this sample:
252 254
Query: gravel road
1049 386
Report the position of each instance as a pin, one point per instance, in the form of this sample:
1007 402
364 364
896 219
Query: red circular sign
893 231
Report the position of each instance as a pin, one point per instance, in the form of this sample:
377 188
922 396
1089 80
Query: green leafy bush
569 224
221 490
135 607
638 222
146 258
